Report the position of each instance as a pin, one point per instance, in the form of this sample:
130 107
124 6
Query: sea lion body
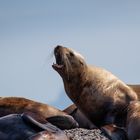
21 127
133 121
82 120
39 111
99 95
11 105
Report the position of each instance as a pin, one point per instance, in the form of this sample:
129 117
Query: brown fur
82 119
10 105
99 95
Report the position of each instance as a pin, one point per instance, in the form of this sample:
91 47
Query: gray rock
85 134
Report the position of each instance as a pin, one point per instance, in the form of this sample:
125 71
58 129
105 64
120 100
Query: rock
85 134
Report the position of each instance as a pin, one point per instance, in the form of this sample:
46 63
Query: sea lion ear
71 54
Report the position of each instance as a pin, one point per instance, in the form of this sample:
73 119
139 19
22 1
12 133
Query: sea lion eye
71 54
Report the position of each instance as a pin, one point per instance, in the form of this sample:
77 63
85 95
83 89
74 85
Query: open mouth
59 62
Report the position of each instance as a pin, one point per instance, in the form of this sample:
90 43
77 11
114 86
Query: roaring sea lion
98 94
21 127
133 121
82 119
39 111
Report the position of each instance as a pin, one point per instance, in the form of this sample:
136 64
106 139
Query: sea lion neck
73 85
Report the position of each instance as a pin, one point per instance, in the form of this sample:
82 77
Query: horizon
106 33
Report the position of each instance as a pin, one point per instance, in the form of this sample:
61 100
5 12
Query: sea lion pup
133 121
39 111
21 127
99 95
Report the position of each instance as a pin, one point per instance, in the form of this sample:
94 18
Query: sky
106 33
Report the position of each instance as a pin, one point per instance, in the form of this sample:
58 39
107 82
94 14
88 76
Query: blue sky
106 33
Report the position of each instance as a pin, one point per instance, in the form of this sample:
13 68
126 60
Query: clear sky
105 32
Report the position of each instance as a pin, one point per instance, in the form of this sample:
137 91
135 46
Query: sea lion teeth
56 66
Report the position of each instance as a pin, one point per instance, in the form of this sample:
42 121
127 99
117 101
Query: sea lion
82 119
21 127
133 120
98 94
39 111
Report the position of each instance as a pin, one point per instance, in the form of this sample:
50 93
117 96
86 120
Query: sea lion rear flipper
114 133
47 126
63 122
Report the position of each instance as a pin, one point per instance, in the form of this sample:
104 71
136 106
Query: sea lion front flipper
39 126
63 122
82 120
51 132
113 132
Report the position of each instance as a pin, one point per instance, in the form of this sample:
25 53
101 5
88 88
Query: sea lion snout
69 65
57 48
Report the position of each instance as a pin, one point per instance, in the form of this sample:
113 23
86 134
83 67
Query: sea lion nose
58 47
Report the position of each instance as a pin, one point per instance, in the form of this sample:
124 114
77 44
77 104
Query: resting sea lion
133 121
98 94
21 127
39 111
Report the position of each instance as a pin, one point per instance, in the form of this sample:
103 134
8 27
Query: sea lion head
68 62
